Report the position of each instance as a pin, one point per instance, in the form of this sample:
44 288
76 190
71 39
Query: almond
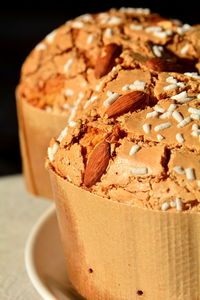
126 103
106 59
162 65
54 84
97 164
155 20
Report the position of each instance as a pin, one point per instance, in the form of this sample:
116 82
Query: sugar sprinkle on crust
41 46
160 137
195 116
190 173
170 87
158 108
171 79
165 206
192 75
158 50
90 39
165 115
68 65
185 100
136 27
193 110
111 99
146 128
172 107
69 92
180 138
185 49
180 96
91 100
162 126
152 114
139 171
108 33
51 151
50 37
62 134
150 61
177 116
179 170
134 149
78 24
172 203
184 122
179 204
72 123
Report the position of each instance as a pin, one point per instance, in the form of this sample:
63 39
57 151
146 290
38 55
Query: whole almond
97 164
162 65
106 59
155 19
126 103
54 84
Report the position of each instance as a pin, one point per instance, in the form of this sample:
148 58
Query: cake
126 175
61 75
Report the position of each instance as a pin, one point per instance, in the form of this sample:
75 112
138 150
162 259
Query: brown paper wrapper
119 252
36 128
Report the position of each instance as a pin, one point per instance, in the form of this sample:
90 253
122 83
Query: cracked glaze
59 77
150 176
62 65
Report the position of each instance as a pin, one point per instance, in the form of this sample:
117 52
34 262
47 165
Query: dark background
23 27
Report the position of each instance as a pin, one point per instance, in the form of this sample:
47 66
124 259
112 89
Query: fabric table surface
19 211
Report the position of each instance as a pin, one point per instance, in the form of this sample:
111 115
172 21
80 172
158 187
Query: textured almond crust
76 52
58 77
114 250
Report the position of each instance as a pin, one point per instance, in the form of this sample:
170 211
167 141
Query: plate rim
28 254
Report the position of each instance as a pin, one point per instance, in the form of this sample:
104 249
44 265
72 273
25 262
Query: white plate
45 262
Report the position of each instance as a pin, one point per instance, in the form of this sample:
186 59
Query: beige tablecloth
18 213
